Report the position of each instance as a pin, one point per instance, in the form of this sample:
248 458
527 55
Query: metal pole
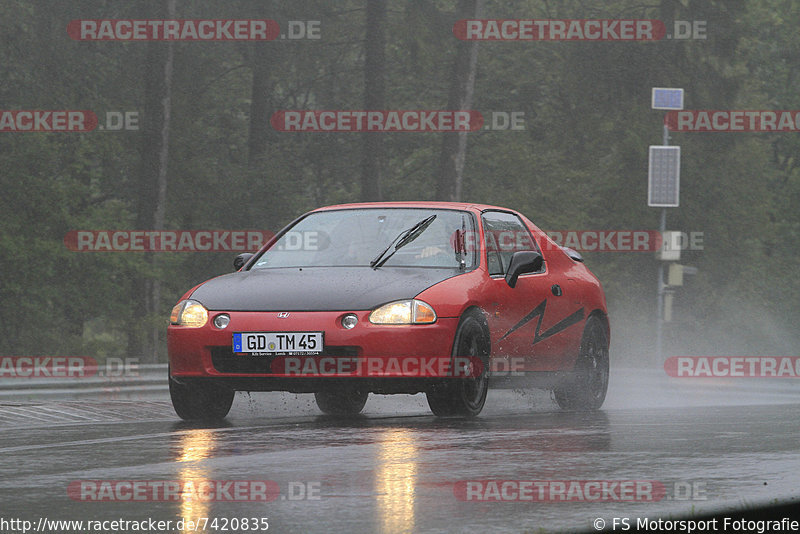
660 294
662 227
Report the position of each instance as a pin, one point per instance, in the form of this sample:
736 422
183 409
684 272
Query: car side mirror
523 261
241 259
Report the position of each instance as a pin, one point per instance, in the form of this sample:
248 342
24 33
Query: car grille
225 361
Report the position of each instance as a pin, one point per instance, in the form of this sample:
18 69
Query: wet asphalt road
712 445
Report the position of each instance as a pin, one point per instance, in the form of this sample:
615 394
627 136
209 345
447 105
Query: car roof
416 204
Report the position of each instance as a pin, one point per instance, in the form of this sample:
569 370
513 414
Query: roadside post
663 191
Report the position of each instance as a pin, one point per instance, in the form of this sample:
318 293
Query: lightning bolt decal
538 311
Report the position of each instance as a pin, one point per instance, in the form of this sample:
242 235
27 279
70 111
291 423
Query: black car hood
316 288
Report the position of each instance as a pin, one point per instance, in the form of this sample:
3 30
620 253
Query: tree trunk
144 340
454 144
374 97
260 96
259 106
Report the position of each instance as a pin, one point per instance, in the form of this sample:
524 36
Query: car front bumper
384 358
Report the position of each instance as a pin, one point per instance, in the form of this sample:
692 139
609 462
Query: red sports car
396 297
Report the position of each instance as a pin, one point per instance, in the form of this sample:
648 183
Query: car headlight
189 313
403 312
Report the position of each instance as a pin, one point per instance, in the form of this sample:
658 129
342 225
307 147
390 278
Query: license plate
277 343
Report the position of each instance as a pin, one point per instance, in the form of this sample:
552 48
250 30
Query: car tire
194 402
586 388
344 401
464 396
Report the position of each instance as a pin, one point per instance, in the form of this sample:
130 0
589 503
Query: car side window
504 234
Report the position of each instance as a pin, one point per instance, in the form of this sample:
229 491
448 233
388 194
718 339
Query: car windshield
356 237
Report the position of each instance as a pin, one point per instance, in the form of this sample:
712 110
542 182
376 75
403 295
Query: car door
525 320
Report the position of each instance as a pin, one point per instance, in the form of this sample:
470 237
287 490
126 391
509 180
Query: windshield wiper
404 238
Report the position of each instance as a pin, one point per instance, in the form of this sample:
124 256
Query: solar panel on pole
666 98
663 176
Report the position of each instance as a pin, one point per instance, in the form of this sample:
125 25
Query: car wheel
586 389
200 402
464 396
344 401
